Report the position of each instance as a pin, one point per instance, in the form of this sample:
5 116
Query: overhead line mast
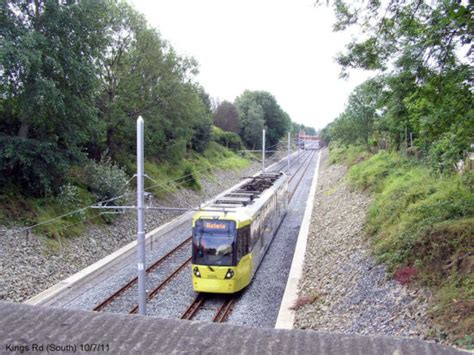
141 218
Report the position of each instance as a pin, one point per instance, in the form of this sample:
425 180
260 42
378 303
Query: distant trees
356 123
226 117
250 113
259 109
253 123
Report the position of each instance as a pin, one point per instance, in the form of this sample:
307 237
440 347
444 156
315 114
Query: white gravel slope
342 288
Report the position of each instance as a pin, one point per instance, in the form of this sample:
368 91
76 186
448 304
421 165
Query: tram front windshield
214 242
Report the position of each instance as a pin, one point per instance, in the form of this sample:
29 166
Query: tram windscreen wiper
210 268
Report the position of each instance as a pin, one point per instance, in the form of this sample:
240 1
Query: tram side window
243 241
255 235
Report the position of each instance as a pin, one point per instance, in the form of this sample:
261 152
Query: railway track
224 311
101 306
221 314
284 163
158 288
307 157
226 307
193 308
301 175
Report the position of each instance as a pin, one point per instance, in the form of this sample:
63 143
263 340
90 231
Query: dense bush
202 135
68 196
106 180
37 167
445 153
190 177
227 139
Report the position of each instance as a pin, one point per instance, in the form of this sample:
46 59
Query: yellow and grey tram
233 232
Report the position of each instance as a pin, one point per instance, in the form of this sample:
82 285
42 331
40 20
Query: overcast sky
285 47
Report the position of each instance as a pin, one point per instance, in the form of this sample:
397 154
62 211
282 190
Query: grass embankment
422 227
16 209
188 172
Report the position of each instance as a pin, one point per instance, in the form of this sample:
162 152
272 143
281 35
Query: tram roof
241 203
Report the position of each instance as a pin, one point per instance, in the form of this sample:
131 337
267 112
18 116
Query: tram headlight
229 274
196 272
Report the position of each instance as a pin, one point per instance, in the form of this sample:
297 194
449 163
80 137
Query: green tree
427 98
260 109
253 124
356 123
49 75
226 117
125 27
420 34
327 133
143 75
362 108
48 83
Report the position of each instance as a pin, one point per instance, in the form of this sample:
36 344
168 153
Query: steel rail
303 156
224 310
194 307
133 281
307 156
158 288
280 165
301 177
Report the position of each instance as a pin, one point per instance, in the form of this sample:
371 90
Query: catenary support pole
263 151
289 151
140 219
298 145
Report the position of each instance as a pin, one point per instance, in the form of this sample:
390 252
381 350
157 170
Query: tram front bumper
214 285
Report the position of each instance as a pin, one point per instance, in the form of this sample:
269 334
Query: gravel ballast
343 289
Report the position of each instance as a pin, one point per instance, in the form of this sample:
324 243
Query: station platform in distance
34 329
